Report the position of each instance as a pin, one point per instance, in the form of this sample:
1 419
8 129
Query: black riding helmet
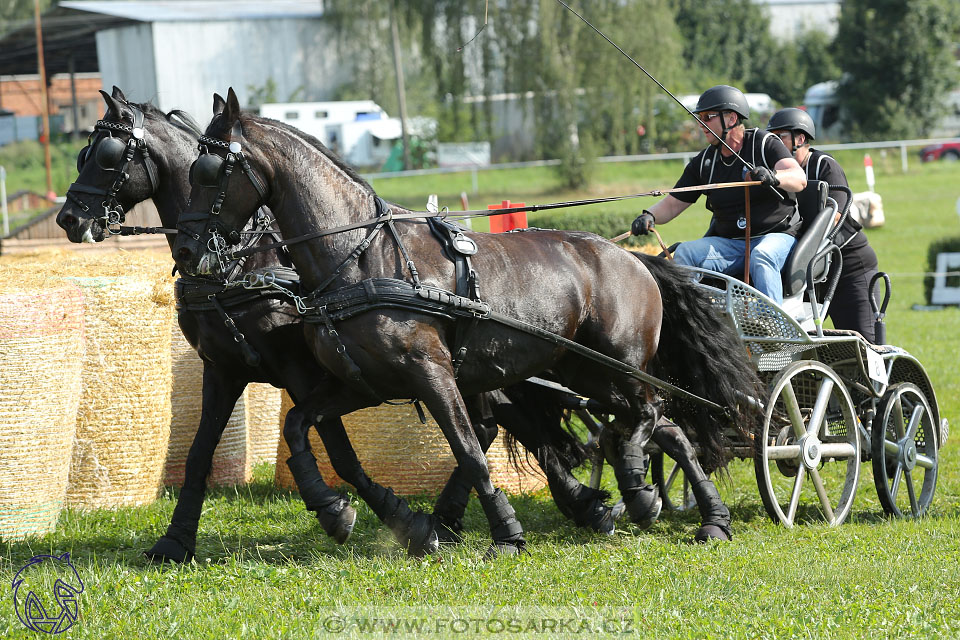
723 97
793 119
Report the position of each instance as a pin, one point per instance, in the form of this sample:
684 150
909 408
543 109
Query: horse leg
642 501
220 395
333 510
445 403
414 530
452 503
714 515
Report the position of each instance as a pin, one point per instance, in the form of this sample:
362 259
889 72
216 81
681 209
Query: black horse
272 348
387 325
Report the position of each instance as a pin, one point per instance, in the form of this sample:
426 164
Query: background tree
898 63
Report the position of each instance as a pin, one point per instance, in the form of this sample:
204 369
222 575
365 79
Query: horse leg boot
714 515
220 395
333 510
414 530
642 501
582 504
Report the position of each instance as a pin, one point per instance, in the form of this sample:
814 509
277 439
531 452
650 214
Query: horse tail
532 416
701 352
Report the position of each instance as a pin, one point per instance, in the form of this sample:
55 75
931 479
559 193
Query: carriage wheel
674 487
904 447
808 459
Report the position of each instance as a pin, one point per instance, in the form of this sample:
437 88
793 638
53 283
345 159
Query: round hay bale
231 460
263 421
399 452
123 424
41 357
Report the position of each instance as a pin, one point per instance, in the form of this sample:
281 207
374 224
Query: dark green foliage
898 63
945 245
607 224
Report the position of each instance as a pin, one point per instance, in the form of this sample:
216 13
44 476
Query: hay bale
263 421
231 460
399 452
123 422
41 356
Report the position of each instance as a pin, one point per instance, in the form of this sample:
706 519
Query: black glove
642 225
764 175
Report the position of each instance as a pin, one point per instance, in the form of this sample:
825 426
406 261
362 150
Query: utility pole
44 107
401 91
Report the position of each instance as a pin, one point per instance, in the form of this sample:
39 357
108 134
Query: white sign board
942 294
463 154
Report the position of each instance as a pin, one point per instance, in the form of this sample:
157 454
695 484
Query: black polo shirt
768 212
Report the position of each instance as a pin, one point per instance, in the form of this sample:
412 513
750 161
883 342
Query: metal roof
189 10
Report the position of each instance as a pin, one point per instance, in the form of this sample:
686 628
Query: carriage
835 399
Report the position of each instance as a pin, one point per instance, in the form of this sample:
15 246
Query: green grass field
265 570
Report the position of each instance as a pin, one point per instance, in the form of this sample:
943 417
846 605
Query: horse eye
109 153
206 170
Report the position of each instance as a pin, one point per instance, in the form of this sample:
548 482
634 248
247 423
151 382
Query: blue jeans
767 255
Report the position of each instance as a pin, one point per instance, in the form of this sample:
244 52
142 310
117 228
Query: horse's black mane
177 117
217 129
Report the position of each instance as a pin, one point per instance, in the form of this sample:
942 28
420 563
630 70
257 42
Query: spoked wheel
673 485
904 447
808 459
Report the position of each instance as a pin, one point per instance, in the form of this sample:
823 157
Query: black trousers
851 308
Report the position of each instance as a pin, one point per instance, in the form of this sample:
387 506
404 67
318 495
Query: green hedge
946 245
603 223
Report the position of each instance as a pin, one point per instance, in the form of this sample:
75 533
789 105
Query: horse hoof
446 535
422 538
500 549
645 507
606 524
618 510
168 550
711 532
338 525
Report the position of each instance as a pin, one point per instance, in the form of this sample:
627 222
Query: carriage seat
817 212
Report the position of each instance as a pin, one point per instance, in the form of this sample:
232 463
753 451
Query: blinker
206 170
107 151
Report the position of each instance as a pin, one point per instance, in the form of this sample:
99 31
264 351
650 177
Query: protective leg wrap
450 508
642 501
505 529
180 543
582 504
414 530
333 510
714 515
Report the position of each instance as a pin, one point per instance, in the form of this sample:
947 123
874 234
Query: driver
774 220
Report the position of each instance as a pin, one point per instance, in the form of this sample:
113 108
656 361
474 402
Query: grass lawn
265 569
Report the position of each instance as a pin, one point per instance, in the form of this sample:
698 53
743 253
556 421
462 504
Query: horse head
132 151
228 185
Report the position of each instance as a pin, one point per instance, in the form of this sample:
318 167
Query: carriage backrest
817 212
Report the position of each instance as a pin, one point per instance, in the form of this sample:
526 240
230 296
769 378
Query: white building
790 18
177 53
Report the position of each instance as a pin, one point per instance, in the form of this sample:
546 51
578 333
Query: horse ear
219 104
112 104
232 112
117 94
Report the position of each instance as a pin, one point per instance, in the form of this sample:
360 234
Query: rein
481 213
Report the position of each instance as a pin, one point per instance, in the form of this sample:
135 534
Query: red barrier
507 221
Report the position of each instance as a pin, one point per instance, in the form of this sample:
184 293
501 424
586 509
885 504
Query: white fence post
3 201
903 157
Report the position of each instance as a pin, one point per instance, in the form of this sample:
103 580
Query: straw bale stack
123 421
263 421
41 358
399 452
231 460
